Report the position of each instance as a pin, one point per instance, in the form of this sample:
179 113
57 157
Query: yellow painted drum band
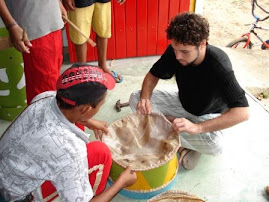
151 179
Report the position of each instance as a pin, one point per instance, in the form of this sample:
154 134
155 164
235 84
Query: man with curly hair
208 98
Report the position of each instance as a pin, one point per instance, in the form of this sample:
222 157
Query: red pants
42 65
98 154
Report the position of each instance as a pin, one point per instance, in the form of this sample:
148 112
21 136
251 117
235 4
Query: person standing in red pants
42 50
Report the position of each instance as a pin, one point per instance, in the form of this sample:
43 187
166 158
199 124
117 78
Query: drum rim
172 154
175 194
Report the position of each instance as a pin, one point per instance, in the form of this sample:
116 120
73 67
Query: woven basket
175 196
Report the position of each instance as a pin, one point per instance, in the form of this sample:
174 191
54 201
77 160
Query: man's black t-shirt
84 3
210 87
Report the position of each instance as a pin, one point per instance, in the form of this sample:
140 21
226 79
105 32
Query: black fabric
85 3
210 87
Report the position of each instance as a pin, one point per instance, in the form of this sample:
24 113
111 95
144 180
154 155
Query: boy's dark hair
188 29
92 100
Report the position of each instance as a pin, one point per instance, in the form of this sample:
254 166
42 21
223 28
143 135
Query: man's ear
85 109
203 43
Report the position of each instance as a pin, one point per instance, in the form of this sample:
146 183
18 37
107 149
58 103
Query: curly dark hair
188 28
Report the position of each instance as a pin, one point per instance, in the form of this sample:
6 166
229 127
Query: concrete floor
238 174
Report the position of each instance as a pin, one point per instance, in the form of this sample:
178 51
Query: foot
188 158
114 74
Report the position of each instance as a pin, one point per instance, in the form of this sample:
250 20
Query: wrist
9 26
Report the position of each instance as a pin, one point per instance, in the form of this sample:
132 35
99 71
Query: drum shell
150 182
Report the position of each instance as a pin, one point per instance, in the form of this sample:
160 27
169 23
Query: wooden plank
71 46
152 27
184 5
111 52
131 48
120 33
141 27
173 8
162 25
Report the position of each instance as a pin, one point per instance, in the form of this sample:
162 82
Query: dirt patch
227 21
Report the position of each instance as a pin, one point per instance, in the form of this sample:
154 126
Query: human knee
99 150
134 99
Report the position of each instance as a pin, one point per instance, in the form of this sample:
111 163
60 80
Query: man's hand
69 4
20 42
127 177
144 106
99 127
184 125
121 1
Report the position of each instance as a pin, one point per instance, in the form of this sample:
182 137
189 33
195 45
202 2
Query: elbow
246 114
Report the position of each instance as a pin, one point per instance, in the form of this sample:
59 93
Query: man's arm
15 31
230 118
149 83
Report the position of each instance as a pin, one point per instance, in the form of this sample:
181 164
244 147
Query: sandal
189 158
115 76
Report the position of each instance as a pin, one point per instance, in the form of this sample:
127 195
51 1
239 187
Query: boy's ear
85 109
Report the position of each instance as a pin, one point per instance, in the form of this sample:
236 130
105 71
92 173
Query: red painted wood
162 25
71 47
184 5
141 27
138 28
131 28
111 52
120 32
152 27
173 8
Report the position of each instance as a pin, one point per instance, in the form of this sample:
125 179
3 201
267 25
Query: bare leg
101 44
81 52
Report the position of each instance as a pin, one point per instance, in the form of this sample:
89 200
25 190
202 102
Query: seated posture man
43 148
209 97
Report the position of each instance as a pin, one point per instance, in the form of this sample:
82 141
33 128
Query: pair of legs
97 16
42 65
168 103
99 162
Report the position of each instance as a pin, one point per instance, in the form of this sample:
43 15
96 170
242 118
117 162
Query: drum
175 196
149 145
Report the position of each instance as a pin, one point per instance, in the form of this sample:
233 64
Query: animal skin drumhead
142 141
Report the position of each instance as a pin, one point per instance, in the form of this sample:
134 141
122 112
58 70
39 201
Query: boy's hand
127 177
62 8
20 42
98 127
69 4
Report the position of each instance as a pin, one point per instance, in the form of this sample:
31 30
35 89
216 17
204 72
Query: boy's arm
127 178
15 31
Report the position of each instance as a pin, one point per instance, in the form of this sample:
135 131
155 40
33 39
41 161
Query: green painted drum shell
149 180
12 83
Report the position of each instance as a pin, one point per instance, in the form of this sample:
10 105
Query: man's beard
192 63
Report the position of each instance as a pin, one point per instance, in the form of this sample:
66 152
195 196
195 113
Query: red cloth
42 65
98 153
